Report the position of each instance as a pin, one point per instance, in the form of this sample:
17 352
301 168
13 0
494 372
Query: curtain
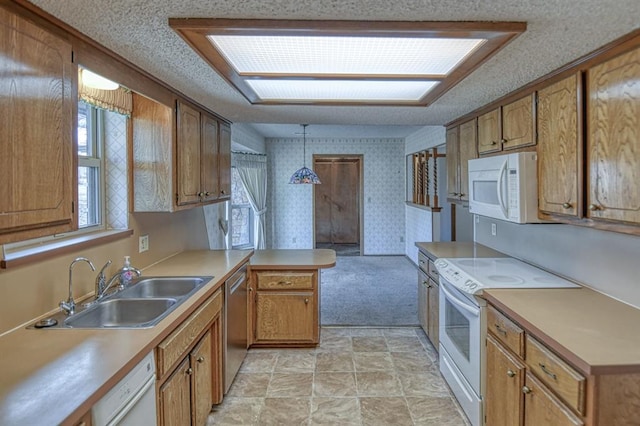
119 100
252 169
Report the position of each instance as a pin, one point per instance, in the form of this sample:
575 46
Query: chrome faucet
69 306
101 282
117 277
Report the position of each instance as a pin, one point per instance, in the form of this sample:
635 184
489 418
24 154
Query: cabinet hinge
72 56
73 207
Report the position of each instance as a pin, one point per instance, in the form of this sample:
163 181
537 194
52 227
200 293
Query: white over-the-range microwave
505 187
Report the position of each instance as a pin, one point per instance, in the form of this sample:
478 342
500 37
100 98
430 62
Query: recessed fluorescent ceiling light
344 62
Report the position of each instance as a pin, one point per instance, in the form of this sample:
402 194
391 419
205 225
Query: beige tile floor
356 376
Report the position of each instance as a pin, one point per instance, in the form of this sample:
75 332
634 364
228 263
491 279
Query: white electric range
463 318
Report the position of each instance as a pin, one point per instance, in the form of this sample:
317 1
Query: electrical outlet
494 229
143 243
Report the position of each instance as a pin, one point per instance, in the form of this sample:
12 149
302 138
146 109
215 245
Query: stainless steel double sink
141 305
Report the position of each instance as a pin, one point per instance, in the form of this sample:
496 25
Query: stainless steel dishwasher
235 325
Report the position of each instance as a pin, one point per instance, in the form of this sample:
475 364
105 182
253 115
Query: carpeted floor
369 291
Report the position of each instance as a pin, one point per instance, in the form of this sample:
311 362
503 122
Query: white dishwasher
132 402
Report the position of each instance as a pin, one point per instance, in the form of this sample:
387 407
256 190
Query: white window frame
251 220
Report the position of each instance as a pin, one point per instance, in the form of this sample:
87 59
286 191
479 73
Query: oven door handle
453 299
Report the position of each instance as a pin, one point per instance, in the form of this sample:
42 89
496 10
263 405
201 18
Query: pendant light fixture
305 174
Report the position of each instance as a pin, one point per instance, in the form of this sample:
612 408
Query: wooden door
542 408
286 317
36 131
468 149
489 132
322 196
434 313
224 161
453 154
175 397
504 401
337 211
188 155
201 359
209 158
423 301
559 148
613 140
518 125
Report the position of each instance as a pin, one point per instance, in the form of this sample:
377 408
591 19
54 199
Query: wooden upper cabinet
518 124
38 102
209 156
224 162
453 153
489 132
559 148
613 139
188 155
504 400
467 151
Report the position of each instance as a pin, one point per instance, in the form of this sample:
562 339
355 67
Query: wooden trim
79 243
420 206
194 31
602 54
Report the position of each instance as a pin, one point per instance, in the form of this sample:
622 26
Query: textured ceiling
558 31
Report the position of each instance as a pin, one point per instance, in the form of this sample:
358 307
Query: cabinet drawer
285 280
506 331
561 378
176 344
433 271
423 261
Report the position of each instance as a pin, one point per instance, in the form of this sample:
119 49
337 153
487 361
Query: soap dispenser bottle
127 272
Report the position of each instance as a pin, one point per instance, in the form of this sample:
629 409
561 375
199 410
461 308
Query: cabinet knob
526 390
594 207
207 193
284 283
200 359
503 140
566 205
494 143
455 194
223 192
462 194
500 329
200 194
189 371
511 373
250 289
306 301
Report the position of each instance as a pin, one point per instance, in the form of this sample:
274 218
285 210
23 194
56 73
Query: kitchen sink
143 304
162 287
122 313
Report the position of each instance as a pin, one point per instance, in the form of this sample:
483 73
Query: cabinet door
558 148
518 125
613 140
453 184
286 317
188 155
542 408
201 359
468 149
175 397
209 158
489 132
504 400
423 301
434 313
36 131
224 161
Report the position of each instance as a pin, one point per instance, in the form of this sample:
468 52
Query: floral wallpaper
290 214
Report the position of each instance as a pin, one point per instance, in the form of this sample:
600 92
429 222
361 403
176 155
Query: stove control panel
457 277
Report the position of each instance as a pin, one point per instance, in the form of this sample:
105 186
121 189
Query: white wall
245 138
605 261
290 214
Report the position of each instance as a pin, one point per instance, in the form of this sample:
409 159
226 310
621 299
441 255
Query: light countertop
458 249
54 376
293 259
596 333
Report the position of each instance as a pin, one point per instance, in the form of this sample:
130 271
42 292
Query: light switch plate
143 243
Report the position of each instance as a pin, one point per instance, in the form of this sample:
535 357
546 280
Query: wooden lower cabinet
423 301
434 313
428 298
285 308
185 397
543 408
504 402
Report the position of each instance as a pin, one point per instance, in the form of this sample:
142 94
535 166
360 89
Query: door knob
526 390
511 373
306 301
189 371
566 205
200 359
594 207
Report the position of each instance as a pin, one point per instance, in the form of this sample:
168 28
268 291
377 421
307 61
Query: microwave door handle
453 299
501 178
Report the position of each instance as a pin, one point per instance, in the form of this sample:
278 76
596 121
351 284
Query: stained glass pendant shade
305 174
